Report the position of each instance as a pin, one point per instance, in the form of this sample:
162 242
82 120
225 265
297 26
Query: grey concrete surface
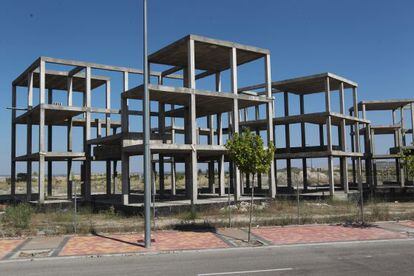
353 258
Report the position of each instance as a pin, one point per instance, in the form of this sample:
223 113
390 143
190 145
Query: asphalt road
355 258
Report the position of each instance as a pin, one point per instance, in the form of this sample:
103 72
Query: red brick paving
127 243
87 245
6 246
322 233
175 240
408 223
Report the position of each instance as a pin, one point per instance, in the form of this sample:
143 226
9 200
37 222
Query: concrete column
287 141
108 108
187 163
87 148
125 156
344 163
69 180
368 150
235 117
221 176
357 138
259 176
115 175
329 137
412 121
29 136
321 136
396 144
108 176
173 168
210 139
303 136
49 148
161 128
41 176
29 163
69 141
403 144
402 126
353 133
124 106
13 145
270 132
125 178
374 165
400 166
192 123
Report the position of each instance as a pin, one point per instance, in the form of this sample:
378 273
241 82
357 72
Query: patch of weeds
18 216
379 212
305 216
110 213
63 216
85 210
189 216
284 220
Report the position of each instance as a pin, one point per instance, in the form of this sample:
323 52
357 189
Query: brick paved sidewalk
185 240
126 243
322 233
408 223
7 246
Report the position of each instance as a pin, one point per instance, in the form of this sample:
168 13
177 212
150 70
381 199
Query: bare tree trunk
251 209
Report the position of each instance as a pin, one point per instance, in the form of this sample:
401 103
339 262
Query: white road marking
247 271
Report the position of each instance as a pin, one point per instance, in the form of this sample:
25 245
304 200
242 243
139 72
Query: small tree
247 151
408 161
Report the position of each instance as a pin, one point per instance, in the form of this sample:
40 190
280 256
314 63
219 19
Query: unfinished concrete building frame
398 129
325 83
195 57
78 79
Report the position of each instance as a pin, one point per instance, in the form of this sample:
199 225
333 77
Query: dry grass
279 212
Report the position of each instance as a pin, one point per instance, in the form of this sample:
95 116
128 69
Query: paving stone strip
16 249
397 227
165 241
323 233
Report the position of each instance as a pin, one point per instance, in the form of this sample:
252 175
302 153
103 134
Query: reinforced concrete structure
189 125
196 58
48 115
398 129
326 119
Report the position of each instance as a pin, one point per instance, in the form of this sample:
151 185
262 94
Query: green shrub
19 216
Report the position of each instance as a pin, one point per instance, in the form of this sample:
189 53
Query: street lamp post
147 161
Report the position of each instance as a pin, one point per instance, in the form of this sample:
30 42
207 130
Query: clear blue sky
370 42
